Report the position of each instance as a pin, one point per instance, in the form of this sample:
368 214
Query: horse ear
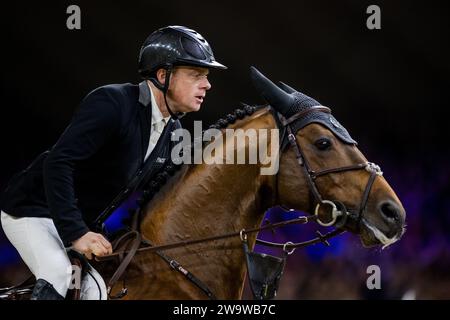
305 101
276 97
285 87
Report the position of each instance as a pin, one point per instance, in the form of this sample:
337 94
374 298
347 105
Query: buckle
288 252
335 213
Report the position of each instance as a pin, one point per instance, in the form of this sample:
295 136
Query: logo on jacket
160 160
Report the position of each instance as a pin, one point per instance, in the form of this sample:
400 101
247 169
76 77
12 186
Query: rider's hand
92 243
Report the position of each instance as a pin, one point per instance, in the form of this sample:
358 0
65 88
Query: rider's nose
207 85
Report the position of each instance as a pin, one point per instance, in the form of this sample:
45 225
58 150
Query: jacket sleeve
96 120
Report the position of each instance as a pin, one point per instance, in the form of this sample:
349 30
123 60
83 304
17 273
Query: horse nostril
390 211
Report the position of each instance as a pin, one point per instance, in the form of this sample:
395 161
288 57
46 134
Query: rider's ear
161 75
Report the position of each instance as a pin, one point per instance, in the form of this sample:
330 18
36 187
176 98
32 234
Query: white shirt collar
156 112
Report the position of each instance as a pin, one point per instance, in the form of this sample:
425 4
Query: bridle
338 209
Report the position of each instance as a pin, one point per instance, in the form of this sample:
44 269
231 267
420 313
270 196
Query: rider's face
188 86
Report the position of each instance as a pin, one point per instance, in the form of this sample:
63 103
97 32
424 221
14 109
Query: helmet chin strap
165 88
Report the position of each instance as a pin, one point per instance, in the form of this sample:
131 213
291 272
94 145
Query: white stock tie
155 134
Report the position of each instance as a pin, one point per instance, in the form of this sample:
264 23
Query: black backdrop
388 87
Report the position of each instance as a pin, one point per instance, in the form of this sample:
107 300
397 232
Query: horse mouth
372 236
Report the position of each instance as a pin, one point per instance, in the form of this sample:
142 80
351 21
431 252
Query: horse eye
323 144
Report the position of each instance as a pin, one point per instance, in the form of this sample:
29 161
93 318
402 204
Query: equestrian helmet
175 45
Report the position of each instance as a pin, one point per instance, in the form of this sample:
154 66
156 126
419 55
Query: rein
299 220
125 256
338 211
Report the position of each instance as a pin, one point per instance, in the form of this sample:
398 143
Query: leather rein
339 216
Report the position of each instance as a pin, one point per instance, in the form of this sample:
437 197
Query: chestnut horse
318 160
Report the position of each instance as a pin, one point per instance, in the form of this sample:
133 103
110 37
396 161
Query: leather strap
358 166
136 242
300 114
298 220
311 175
289 245
191 277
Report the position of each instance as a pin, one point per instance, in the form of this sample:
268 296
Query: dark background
388 87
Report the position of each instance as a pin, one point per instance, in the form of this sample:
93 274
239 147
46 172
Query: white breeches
42 250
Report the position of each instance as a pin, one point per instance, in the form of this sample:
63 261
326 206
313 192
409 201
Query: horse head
320 158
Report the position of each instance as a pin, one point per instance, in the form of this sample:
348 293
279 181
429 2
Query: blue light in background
8 255
117 219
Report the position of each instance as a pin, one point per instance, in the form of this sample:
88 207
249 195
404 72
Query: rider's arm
95 121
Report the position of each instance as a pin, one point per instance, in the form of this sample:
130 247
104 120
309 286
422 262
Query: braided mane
170 169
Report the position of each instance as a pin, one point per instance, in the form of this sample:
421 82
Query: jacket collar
145 96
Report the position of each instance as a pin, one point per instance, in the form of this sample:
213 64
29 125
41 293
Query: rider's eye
323 144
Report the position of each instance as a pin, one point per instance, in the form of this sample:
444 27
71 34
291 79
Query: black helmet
175 45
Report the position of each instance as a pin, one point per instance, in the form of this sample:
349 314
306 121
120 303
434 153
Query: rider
51 205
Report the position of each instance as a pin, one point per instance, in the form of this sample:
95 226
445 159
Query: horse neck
207 200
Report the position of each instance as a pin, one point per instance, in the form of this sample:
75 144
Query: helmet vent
153 37
192 48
